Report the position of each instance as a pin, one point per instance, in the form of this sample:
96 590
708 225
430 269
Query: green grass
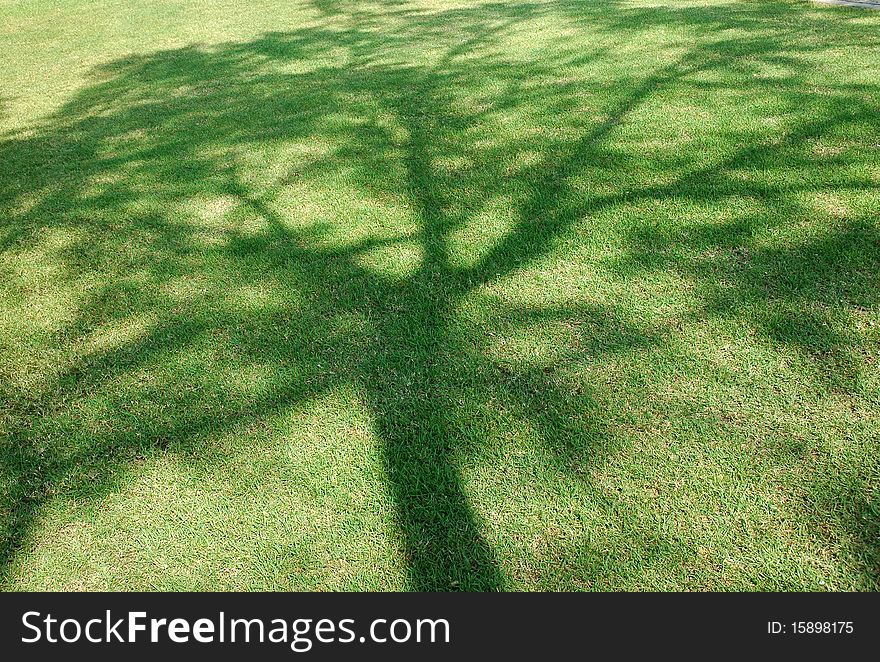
542 294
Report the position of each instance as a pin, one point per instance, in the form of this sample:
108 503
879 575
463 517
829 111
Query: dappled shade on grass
242 228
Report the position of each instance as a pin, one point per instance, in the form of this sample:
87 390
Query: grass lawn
439 294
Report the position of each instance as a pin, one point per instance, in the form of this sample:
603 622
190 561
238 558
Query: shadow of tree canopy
250 131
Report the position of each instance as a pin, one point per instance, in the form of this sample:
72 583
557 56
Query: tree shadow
111 186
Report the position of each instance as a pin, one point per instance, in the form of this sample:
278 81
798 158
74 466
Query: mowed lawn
439 295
